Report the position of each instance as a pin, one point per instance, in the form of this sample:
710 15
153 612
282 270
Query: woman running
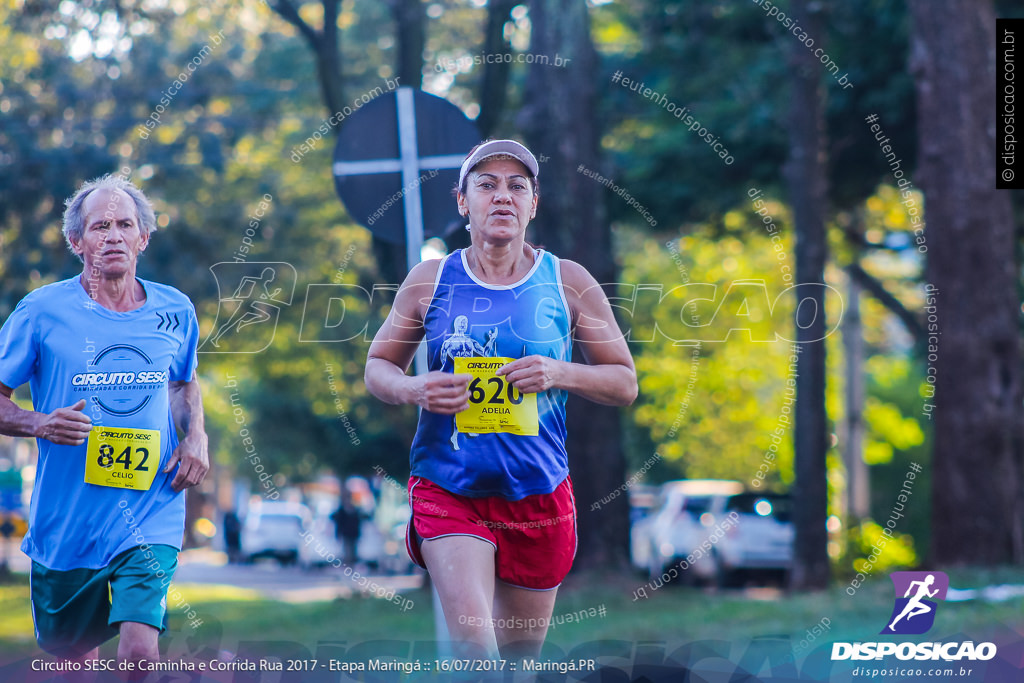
494 521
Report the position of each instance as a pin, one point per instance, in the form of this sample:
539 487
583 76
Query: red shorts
534 538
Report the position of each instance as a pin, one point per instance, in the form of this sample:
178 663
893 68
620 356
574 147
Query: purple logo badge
916 596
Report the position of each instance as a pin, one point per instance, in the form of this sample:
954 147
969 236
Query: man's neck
122 294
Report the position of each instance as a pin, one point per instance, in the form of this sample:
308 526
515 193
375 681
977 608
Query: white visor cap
509 148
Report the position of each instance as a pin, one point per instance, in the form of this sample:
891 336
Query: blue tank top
470 318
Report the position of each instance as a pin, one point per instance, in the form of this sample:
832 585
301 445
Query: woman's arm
608 377
394 348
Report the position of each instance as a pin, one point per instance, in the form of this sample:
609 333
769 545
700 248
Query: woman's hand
442 392
533 374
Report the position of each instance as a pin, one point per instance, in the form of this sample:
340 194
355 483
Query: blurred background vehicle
324 546
682 519
390 520
760 543
643 500
381 511
274 529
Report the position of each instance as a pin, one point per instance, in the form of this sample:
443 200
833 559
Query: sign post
395 138
380 159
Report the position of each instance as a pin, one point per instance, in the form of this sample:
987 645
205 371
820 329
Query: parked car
320 546
762 539
395 558
643 500
682 519
275 529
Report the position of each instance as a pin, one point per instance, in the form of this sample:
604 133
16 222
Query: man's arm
192 454
65 426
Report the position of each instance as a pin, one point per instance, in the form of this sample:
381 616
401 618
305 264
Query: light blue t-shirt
68 347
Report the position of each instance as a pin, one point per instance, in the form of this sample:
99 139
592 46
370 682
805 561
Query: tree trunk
325 48
805 174
410 33
973 352
562 130
494 86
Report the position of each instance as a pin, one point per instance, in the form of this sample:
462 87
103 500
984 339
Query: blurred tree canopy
80 80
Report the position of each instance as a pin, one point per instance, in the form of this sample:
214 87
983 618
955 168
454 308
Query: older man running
111 363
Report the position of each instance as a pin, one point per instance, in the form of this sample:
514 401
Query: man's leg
522 617
918 609
462 570
138 641
138 592
70 610
906 610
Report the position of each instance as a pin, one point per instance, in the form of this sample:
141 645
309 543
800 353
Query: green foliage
882 85
898 427
216 165
727 64
75 108
873 553
710 409
715 62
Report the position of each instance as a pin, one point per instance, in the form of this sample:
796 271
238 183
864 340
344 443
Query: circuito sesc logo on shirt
121 380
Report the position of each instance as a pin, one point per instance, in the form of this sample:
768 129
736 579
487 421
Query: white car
680 522
275 529
320 546
642 501
762 540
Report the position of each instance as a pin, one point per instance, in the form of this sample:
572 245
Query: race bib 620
494 404
124 458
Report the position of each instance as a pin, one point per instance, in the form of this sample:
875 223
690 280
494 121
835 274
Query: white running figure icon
251 308
461 345
915 607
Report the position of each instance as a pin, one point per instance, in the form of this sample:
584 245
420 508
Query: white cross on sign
410 164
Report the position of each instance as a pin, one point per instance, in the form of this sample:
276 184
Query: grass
233 617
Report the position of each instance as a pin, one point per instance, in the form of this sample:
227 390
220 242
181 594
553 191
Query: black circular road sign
430 135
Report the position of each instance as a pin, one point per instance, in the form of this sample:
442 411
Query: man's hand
193 460
192 454
66 426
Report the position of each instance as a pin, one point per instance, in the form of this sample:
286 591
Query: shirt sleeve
19 350
184 363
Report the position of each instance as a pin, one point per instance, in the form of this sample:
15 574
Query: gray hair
74 219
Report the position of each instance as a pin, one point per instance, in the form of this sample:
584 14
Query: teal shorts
77 610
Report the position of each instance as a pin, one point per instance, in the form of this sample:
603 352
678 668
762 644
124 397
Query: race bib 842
123 458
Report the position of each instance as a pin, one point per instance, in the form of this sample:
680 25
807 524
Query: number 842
107 458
